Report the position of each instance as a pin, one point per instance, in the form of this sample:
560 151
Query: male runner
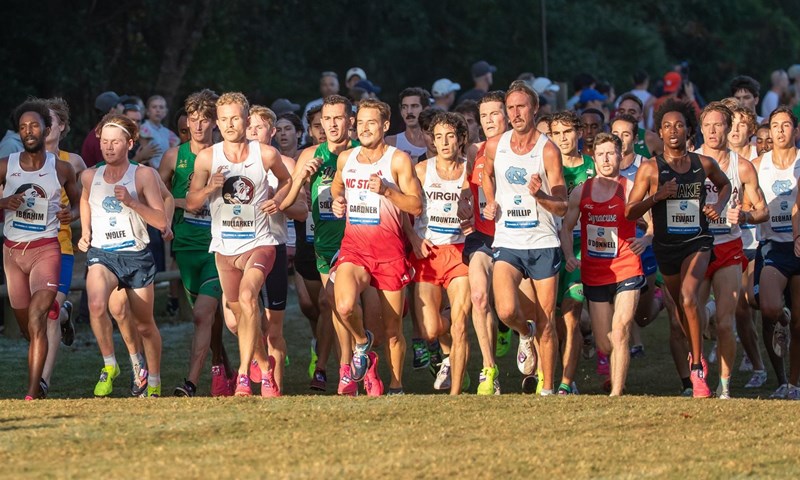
763 140
742 130
524 197
118 201
411 140
374 184
232 177
32 181
682 243
593 121
647 142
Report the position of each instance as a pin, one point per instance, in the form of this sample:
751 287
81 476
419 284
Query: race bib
310 229
443 218
325 202
31 215
602 242
720 226
363 207
519 211
683 216
200 219
119 234
481 201
238 221
780 215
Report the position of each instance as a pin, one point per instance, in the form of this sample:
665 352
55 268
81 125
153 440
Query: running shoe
43 389
489 381
372 381
442 381
526 353
529 384
758 379
687 392
105 385
153 392
699 386
794 393
422 357
312 365
702 362
67 326
255 372
781 392
186 389
746 365
637 351
395 391
243 386
360 362
780 340
220 383
603 366
588 350
436 355
503 344
139 380
269 388
564 389
346 384
319 382
28 398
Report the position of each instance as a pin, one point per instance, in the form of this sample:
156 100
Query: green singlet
640 146
570 282
328 229
192 231
574 176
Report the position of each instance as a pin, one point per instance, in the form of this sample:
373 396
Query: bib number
519 211
200 219
602 242
238 221
31 215
683 216
310 229
119 234
363 207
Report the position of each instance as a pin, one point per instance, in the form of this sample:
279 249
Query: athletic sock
546 392
153 379
687 382
110 361
565 387
697 366
725 383
137 360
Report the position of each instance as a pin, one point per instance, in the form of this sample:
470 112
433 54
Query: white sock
153 379
110 361
137 359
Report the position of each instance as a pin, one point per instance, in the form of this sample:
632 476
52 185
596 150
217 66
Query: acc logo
517 199
782 187
30 192
516 175
238 189
112 205
684 205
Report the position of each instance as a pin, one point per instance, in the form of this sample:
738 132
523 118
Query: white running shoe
781 392
780 340
758 379
794 393
442 381
746 365
526 353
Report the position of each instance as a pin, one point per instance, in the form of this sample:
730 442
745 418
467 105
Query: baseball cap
794 71
481 68
368 86
443 86
355 71
106 101
283 105
672 80
590 95
544 84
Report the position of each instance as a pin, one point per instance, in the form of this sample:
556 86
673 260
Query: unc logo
684 205
784 205
517 200
782 187
112 205
601 232
516 176
448 207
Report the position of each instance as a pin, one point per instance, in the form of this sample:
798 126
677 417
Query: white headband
114 124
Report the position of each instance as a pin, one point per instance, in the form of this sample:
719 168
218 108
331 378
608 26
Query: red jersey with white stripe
478 198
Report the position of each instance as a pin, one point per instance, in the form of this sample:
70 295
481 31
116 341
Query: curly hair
203 102
35 105
455 121
567 117
678 106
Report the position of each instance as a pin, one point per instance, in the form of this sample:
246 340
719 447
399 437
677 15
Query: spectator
11 142
444 93
353 76
469 109
328 85
780 83
746 91
482 76
283 105
581 82
154 132
106 102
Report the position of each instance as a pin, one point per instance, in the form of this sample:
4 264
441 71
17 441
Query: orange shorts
30 267
231 268
440 267
390 275
725 255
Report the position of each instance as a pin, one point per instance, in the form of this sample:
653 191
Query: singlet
630 171
374 224
680 219
521 223
116 227
575 176
327 229
278 224
780 192
482 225
192 230
237 223
640 146
439 220
161 136
606 255
408 147
750 235
65 229
35 218
723 232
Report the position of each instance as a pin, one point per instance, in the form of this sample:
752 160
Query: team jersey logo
238 189
112 205
30 192
516 175
782 187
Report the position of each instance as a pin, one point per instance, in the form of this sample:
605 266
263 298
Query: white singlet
722 230
780 190
116 227
35 218
439 220
408 147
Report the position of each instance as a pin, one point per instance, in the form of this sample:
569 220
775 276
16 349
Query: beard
36 147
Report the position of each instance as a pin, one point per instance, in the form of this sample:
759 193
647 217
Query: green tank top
640 146
574 176
328 229
192 231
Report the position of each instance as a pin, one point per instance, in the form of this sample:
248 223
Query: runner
610 267
743 129
763 140
530 194
192 230
437 239
647 142
682 243
119 199
33 181
232 177
374 184
593 122
411 140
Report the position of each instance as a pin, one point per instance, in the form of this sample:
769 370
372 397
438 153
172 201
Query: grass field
648 433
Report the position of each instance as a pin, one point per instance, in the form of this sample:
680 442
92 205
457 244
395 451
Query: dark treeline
269 49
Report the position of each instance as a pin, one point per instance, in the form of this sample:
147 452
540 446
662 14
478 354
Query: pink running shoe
372 381
28 398
602 364
702 362
269 389
243 386
699 386
220 383
255 372
346 384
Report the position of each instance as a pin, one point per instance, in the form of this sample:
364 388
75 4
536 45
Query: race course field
651 432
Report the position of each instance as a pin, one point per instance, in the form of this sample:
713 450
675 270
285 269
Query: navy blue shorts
536 264
276 286
476 242
607 293
779 255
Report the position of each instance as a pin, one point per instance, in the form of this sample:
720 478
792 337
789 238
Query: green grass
648 433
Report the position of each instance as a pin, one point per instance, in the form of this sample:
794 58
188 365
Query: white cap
544 84
355 71
444 86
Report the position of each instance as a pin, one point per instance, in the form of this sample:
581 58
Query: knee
248 300
771 312
147 328
202 318
724 329
345 308
480 301
98 306
688 301
458 330
506 311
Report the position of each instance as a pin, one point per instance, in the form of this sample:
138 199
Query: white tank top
237 223
35 218
439 220
408 147
278 224
521 223
780 190
722 230
750 234
115 227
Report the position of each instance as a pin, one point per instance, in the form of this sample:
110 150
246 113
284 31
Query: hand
13 201
688 89
84 243
64 215
121 193
216 181
573 263
465 210
311 168
339 207
638 245
490 210
735 214
422 248
666 190
535 184
270 207
710 211
146 152
376 184
167 234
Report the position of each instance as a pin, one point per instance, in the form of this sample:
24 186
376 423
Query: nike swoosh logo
613 206
42 174
695 171
248 166
279 303
737 257
629 284
52 284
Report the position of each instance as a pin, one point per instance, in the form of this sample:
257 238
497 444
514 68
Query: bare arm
302 172
298 208
408 197
77 163
167 169
86 211
654 143
758 213
339 206
148 185
272 161
488 181
69 183
556 201
637 204
203 182
570 220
